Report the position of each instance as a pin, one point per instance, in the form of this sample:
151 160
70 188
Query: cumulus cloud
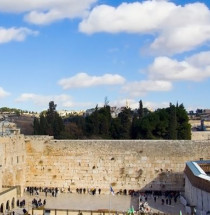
3 93
134 104
194 68
84 80
42 100
73 104
63 100
46 11
176 28
140 88
15 34
127 17
164 71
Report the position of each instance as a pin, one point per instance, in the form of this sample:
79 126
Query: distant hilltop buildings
8 128
64 113
200 119
200 114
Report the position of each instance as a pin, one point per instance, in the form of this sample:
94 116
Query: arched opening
7 206
18 203
13 202
2 208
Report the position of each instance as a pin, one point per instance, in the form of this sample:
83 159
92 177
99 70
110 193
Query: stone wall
12 160
126 164
200 135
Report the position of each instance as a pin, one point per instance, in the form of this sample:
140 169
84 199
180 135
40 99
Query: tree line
165 123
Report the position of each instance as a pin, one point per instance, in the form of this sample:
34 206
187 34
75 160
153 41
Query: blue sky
76 53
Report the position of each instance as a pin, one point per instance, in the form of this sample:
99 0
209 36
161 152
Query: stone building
197 185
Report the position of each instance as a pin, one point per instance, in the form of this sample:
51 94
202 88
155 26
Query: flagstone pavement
74 201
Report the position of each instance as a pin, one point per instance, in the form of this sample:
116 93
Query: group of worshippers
36 190
92 191
38 203
21 203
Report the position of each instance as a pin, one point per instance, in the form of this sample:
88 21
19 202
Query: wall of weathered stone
1 153
200 135
12 160
126 164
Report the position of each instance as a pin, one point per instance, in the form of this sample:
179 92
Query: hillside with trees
166 123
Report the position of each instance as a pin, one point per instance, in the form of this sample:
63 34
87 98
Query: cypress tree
140 110
172 133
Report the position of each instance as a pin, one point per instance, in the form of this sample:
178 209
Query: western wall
126 164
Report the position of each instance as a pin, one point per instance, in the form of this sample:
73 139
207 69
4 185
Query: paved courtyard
72 201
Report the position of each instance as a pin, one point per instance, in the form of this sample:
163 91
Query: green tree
125 122
72 131
115 128
183 126
43 125
172 132
50 122
161 131
140 110
96 121
36 126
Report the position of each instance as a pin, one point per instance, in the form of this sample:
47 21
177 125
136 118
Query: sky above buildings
76 53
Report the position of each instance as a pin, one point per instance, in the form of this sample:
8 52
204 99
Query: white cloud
84 80
41 100
164 71
176 28
200 60
46 11
154 105
3 93
127 17
134 104
140 88
195 68
73 104
15 34
62 101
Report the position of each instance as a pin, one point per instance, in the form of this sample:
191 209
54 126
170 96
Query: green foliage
183 127
165 123
140 110
125 118
36 126
172 133
16 111
49 123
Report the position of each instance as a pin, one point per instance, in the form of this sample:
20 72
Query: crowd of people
36 190
55 191
166 198
38 203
